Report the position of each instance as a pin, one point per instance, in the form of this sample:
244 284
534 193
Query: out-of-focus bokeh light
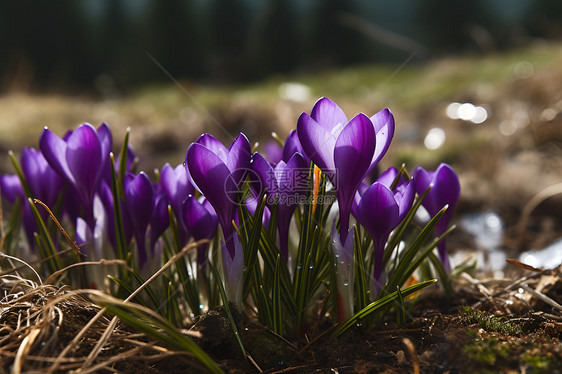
435 138
467 112
523 69
294 91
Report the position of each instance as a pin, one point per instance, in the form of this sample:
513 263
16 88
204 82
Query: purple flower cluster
207 189
75 170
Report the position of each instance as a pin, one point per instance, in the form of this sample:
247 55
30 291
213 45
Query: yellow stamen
317 175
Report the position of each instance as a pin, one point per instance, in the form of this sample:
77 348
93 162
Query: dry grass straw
44 328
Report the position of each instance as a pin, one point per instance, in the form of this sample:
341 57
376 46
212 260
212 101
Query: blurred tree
330 42
544 19
273 41
175 37
43 44
227 25
452 25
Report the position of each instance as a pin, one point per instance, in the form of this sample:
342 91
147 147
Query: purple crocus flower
43 182
139 202
380 210
80 159
344 150
160 219
201 222
176 183
445 190
287 181
218 173
11 187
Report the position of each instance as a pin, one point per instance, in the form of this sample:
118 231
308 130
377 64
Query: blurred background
477 84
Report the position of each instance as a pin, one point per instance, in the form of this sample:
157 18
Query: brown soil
486 326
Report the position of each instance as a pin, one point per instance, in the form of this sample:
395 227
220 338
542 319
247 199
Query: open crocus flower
380 210
219 173
201 222
80 159
343 149
445 190
287 182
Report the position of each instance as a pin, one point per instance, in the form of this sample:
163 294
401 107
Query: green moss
489 322
486 351
541 363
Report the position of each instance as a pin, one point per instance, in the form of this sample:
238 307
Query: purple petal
388 176
292 145
273 152
212 178
357 198
404 196
11 187
106 139
44 183
210 142
239 155
446 189
378 213
200 223
328 114
383 123
293 176
176 184
84 158
352 157
318 143
423 180
54 151
139 199
160 219
266 175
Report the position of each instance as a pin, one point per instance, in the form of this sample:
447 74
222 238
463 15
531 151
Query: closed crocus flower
80 159
43 182
445 191
11 187
176 184
380 210
139 202
285 182
218 173
160 219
